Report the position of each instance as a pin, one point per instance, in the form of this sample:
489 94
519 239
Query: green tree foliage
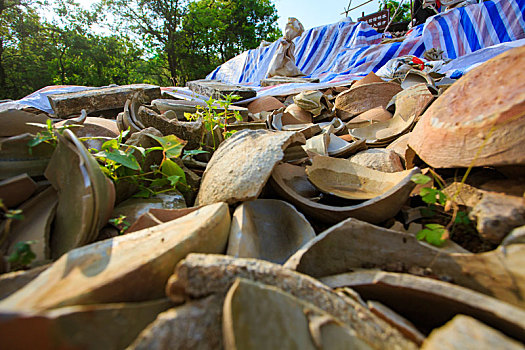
403 14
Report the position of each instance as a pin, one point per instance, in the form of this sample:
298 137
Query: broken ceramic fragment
35 227
199 275
12 281
286 178
374 115
16 159
312 101
154 217
409 295
194 325
217 89
133 267
362 98
368 79
466 333
345 179
410 103
93 128
240 167
337 147
378 159
288 321
265 103
353 244
472 125
16 190
99 326
14 122
293 114
86 196
268 229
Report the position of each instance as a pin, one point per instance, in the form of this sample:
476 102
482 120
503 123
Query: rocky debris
96 100
268 229
104 326
464 332
217 89
241 165
128 268
378 159
472 125
409 295
277 80
193 279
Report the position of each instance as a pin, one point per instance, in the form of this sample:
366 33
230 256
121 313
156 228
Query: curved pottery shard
86 196
345 179
240 167
257 316
410 103
100 326
268 229
93 127
353 244
287 177
362 98
199 275
471 124
374 115
409 295
133 267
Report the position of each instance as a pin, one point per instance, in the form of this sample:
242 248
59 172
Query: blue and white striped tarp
345 51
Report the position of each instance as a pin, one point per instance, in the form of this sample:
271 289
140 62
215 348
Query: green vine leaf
171 145
434 234
126 159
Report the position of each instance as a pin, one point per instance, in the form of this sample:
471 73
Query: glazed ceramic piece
133 267
39 213
240 167
345 179
374 115
268 229
13 122
16 190
409 295
360 99
472 125
410 103
288 322
15 158
311 101
341 148
99 326
286 177
352 244
200 275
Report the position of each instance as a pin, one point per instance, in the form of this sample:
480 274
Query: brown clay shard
86 196
466 333
99 326
154 217
374 115
14 122
378 159
194 325
16 190
343 178
268 229
354 244
240 167
368 79
362 98
200 275
288 321
471 124
408 295
292 184
133 267
15 158
265 103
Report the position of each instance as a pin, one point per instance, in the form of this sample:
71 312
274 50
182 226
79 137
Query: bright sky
311 13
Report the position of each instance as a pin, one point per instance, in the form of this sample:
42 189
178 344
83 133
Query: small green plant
22 255
9 215
47 135
212 118
437 234
121 223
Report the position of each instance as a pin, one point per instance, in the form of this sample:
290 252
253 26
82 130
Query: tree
403 14
195 36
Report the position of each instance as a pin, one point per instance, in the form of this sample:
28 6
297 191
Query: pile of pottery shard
299 230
